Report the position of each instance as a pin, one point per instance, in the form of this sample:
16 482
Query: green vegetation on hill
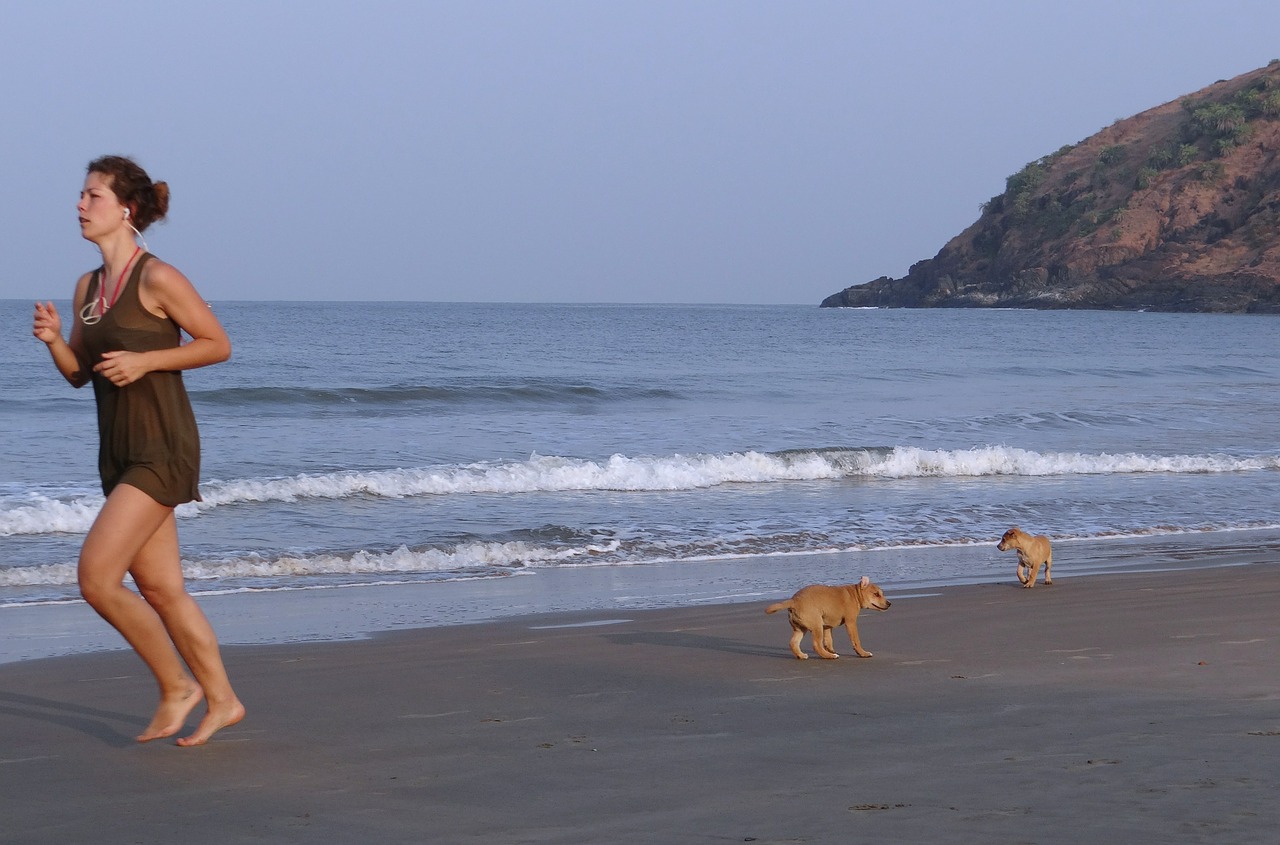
1211 130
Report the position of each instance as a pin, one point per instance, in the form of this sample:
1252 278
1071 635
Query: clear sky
607 151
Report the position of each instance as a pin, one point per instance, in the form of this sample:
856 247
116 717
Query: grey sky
715 151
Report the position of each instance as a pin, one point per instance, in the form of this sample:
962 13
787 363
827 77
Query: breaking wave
43 513
493 559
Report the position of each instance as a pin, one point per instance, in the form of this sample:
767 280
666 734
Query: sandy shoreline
1140 708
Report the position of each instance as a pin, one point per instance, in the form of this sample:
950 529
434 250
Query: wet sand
1132 708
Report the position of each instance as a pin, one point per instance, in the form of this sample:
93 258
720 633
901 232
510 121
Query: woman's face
100 210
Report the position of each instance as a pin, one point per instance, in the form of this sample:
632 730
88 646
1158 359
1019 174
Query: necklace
92 312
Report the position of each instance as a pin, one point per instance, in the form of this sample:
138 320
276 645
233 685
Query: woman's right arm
67 356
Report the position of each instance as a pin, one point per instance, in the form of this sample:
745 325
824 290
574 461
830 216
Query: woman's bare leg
130 533
157 571
124 525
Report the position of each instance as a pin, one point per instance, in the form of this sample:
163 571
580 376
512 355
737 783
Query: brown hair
147 201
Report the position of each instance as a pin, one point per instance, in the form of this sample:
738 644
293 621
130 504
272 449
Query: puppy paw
866 654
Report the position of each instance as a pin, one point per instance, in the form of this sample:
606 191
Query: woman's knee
96 587
163 596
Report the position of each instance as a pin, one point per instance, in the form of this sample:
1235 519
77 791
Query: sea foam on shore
320 614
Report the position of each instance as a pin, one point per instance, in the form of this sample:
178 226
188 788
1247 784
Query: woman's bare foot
219 717
172 713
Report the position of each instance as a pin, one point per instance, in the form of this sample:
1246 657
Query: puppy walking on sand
1032 552
818 608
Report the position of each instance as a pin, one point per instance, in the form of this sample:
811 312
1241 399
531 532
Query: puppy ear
864 582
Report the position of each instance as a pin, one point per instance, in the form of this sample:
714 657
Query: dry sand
1116 708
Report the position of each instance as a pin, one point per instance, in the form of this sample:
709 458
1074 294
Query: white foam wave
38 514
538 474
35 514
49 574
496 559
691 472
909 462
401 561
472 558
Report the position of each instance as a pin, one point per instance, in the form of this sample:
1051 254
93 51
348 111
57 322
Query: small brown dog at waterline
818 608
1032 552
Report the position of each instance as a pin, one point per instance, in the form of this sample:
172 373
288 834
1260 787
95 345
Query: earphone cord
137 234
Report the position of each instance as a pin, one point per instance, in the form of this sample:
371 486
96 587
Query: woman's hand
68 355
47 326
122 368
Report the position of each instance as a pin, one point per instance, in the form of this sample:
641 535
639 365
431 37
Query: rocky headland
1174 209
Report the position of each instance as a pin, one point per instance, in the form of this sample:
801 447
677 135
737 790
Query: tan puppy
1032 551
818 608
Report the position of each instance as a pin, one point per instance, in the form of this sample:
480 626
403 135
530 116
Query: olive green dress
147 431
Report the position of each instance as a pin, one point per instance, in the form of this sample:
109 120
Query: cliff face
1175 209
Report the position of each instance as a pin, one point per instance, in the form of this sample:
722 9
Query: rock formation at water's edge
1174 209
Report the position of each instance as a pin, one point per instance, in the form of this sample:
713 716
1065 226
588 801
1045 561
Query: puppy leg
1048 569
822 641
1024 564
797 634
826 641
852 627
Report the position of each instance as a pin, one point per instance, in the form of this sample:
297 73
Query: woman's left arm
164 289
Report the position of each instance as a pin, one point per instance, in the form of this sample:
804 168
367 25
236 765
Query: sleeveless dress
147 432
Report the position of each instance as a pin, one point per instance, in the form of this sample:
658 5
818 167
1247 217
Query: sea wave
33 513
488 559
474 558
910 462
36 513
549 392
621 473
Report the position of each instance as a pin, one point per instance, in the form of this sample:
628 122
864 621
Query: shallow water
359 443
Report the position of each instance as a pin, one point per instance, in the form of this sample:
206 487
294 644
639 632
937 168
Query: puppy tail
782 605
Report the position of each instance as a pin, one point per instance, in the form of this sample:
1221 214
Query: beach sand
1129 708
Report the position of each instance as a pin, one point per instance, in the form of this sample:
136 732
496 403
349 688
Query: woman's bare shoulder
158 271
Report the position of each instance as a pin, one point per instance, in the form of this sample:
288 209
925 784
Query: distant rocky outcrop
1175 209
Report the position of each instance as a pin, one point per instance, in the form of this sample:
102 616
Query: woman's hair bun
161 191
148 201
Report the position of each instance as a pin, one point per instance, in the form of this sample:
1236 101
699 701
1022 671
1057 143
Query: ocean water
358 444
